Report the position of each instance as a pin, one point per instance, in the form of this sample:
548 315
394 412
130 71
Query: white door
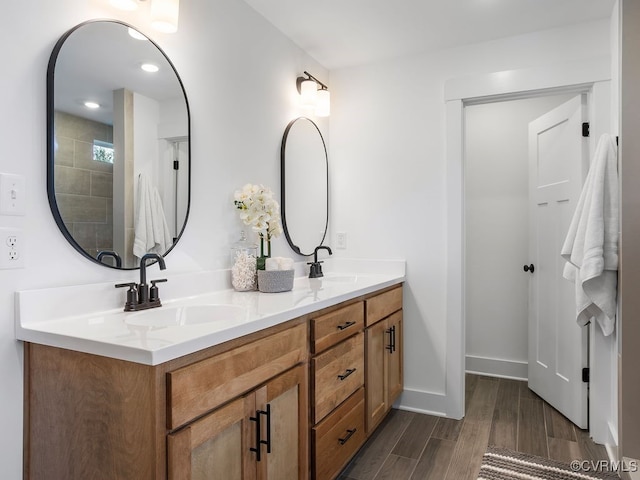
558 160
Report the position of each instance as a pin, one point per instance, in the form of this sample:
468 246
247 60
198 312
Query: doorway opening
518 152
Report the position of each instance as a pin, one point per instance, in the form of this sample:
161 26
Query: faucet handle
131 294
154 293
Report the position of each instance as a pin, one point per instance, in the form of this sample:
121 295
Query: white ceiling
341 33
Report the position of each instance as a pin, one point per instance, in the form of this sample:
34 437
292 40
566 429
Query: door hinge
176 165
585 129
585 374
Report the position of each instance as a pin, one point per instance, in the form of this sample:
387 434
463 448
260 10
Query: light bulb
308 93
323 103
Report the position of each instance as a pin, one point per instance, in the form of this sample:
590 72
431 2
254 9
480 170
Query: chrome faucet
315 271
140 296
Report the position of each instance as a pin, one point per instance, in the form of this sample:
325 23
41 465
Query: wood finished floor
499 412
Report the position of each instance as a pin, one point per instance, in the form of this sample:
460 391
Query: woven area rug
501 464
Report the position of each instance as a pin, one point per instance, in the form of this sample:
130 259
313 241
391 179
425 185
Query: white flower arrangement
259 210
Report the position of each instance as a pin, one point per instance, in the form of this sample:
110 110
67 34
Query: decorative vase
263 258
244 263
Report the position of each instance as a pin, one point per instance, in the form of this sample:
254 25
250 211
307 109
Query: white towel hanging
591 246
151 230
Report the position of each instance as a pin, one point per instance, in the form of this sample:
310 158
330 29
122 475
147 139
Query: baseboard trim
496 367
611 444
420 401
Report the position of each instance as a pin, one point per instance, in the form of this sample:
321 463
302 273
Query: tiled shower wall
84 187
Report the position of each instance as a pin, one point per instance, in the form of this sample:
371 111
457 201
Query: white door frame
485 88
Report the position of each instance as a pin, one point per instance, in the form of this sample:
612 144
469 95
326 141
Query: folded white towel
591 246
151 230
278 263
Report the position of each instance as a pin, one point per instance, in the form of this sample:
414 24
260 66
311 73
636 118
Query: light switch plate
12 194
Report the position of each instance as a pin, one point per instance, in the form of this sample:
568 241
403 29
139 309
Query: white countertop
90 318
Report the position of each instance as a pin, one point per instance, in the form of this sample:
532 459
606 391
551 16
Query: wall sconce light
164 13
314 94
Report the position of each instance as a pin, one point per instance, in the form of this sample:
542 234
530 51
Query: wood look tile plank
504 428
558 426
470 382
563 450
415 436
447 429
396 468
532 437
525 392
588 448
506 390
469 449
483 401
371 457
435 460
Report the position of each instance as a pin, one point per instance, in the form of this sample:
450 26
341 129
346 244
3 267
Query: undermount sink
226 315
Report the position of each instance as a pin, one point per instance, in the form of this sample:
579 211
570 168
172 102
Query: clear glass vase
244 264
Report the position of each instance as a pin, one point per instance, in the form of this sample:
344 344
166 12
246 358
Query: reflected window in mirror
118 136
304 174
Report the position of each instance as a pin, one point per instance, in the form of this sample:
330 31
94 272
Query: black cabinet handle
393 338
347 437
346 325
267 413
529 268
346 374
258 435
390 346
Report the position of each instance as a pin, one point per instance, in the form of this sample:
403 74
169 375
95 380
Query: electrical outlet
11 249
341 240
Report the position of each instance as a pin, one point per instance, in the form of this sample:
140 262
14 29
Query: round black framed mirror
118 144
304 170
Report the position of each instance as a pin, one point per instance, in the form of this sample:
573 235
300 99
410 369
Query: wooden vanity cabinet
337 393
384 364
261 435
88 416
302 396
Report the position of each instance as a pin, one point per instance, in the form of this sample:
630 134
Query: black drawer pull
256 449
346 374
267 413
347 437
346 325
390 347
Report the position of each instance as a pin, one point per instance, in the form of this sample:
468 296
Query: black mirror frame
51 194
283 212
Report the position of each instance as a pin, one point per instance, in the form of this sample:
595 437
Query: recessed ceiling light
136 34
92 105
149 67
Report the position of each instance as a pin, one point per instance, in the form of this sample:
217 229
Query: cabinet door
284 430
394 358
377 339
215 447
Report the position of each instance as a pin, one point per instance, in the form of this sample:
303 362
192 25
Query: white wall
221 48
388 146
497 233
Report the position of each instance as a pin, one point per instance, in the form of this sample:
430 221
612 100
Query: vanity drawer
329 329
336 374
198 388
383 305
338 437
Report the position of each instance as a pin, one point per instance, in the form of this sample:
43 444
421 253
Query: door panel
557 345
